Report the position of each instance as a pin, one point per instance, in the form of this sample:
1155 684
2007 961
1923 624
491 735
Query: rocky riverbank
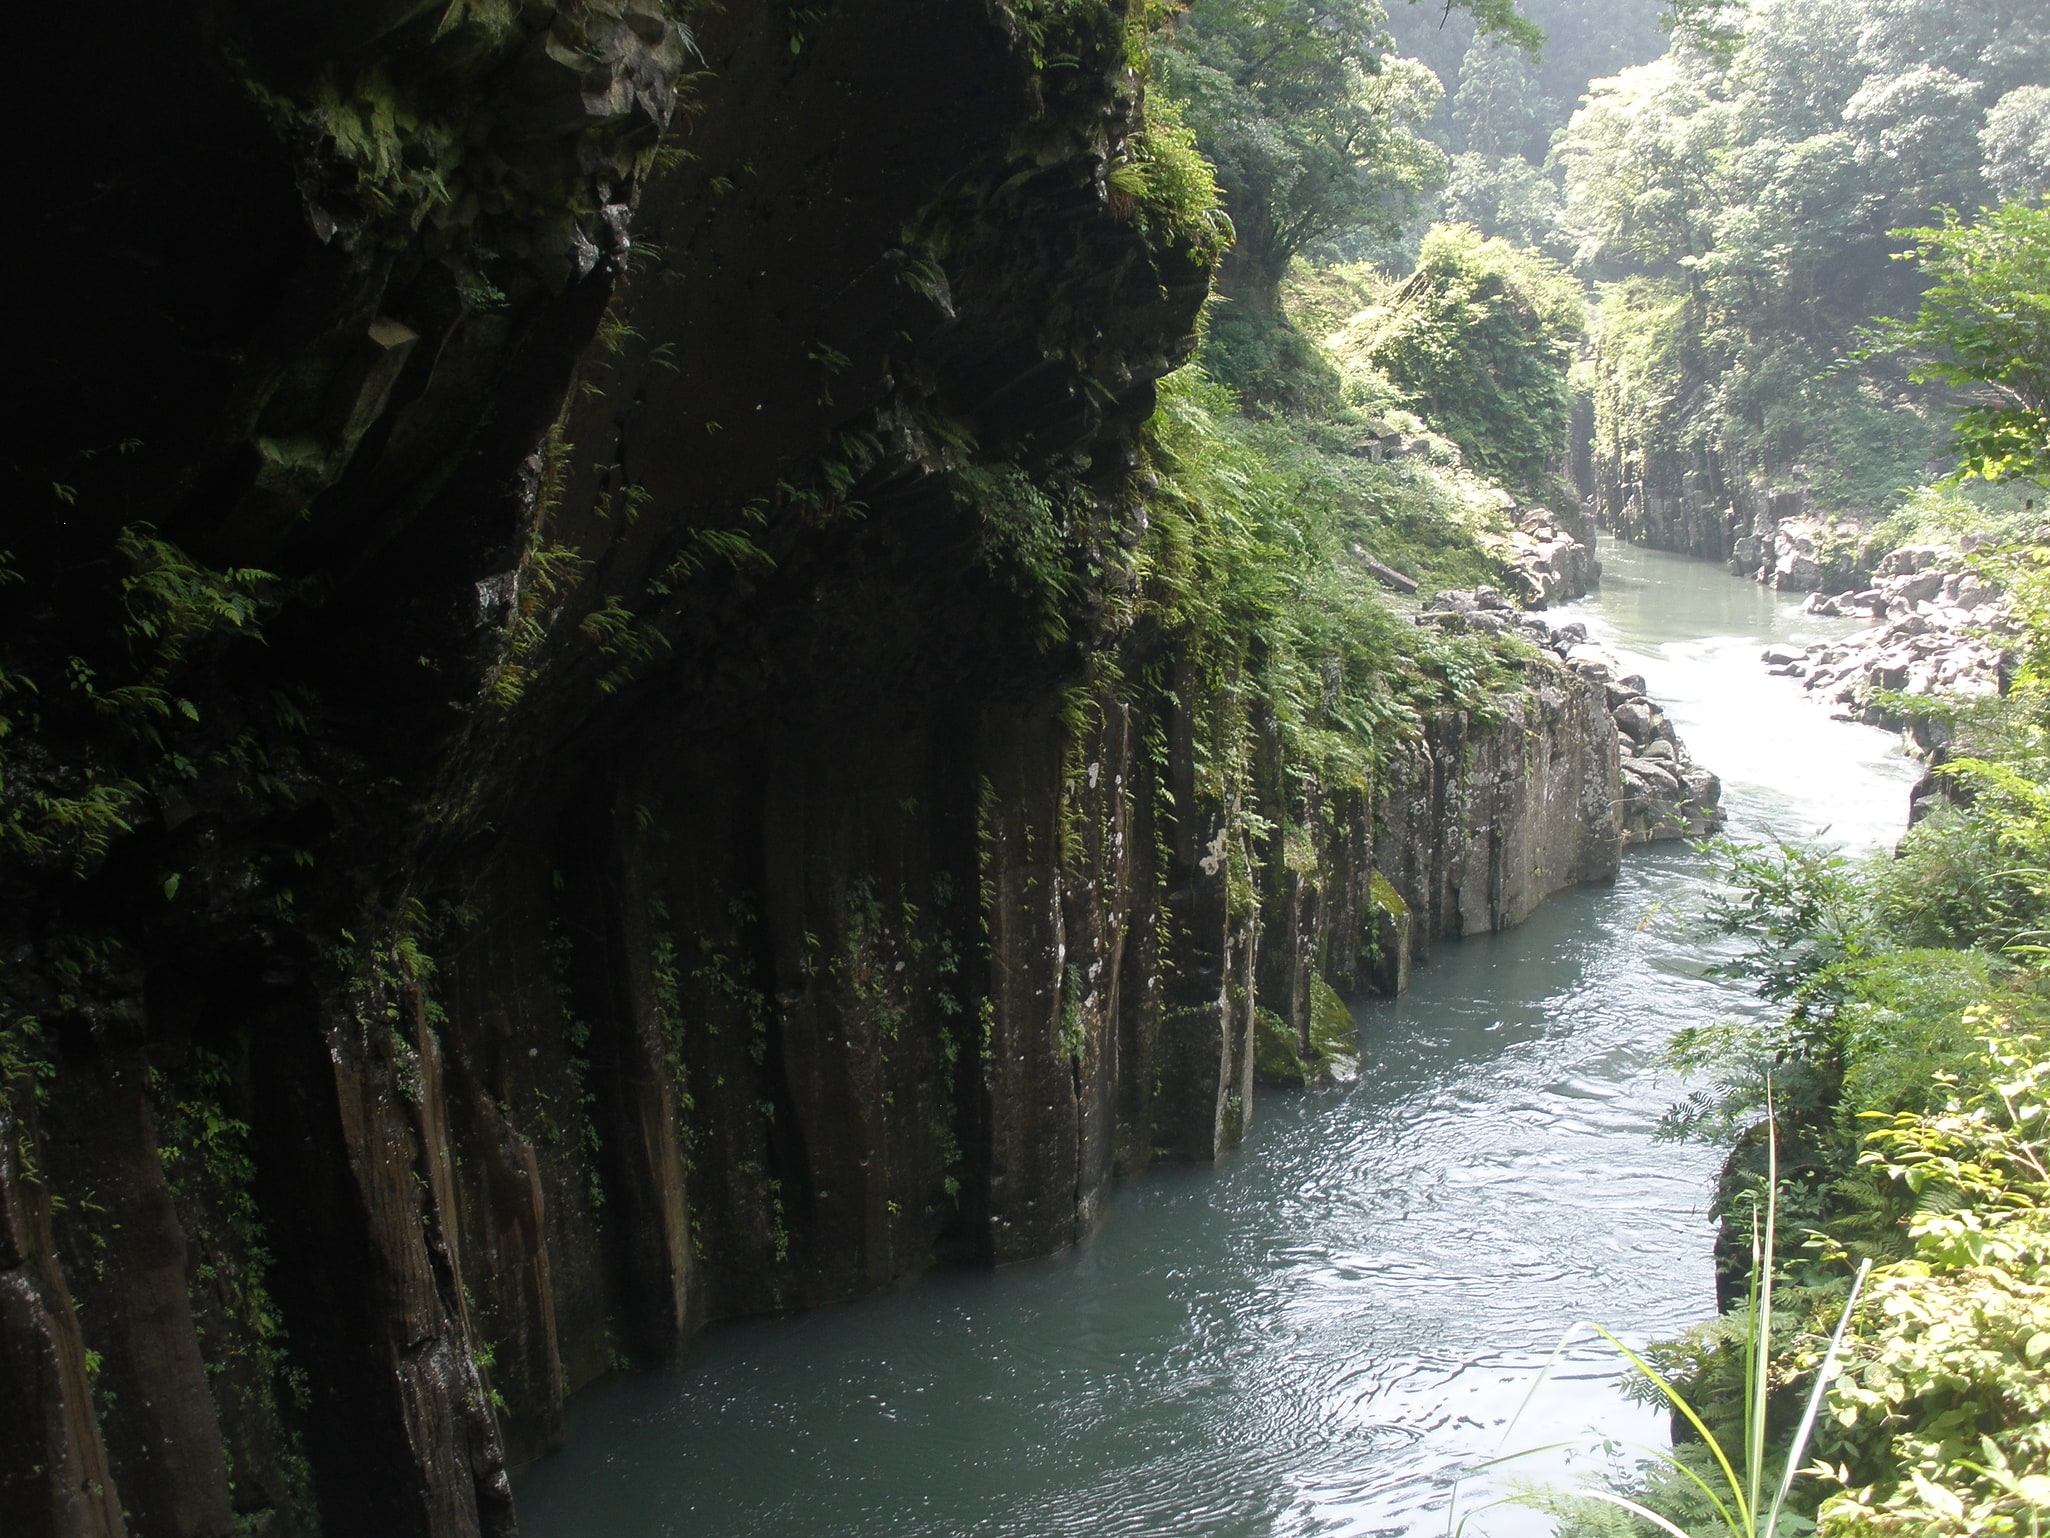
1941 631
1552 556
1939 626
1662 793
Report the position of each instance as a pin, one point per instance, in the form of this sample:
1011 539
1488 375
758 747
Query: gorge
1327 1331
679 677
494 881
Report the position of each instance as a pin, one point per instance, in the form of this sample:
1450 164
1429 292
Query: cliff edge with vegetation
618 708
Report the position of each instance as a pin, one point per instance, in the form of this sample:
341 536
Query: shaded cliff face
577 757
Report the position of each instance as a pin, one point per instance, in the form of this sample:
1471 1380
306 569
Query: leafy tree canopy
1480 339
1768 181
1312 125
1984 327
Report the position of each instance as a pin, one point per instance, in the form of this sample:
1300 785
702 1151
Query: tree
1503 195
1497 110
1917 136
1762 180
1312 128
1641 164
1481 338
1984 327
2016 140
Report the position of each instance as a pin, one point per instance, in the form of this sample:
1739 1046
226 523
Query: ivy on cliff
1252 563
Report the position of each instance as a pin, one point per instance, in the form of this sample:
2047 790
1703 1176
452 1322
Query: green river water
1318 1335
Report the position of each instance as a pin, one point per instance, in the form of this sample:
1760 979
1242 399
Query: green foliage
1312 131
1984 327
1906 1010
1252 537
129 696
1503 195
1982 512
1638 373
1711 27
1959 880
211 1174
1941 1423
1505 101
625 639
1163 179
2016 140
1268 362
1910 1074
1731 1478
1800 909
1758 181
1481 339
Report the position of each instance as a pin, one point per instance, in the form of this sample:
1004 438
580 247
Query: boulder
1933 643
1598 656
1634 721
1795 568
1909 559
1919 587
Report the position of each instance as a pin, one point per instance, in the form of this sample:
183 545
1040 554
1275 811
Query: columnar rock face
1487 818
701 831
1656 789
1665 794
1758 530
1670 507
1553 557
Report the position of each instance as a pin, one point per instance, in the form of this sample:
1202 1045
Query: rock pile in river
1942 631
1664 793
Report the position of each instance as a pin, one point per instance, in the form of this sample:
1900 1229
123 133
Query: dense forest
610 720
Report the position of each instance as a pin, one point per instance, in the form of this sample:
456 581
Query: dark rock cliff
576 757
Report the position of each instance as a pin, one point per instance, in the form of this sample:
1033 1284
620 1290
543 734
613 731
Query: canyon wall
1756 529
581 752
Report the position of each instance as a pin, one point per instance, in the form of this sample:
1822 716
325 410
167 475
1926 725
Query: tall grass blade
1745 1493
1759 1350
1636 1509
1738 1523
1799 1445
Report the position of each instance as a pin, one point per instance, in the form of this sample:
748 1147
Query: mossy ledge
578 757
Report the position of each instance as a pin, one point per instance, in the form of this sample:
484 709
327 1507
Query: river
1318 1335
